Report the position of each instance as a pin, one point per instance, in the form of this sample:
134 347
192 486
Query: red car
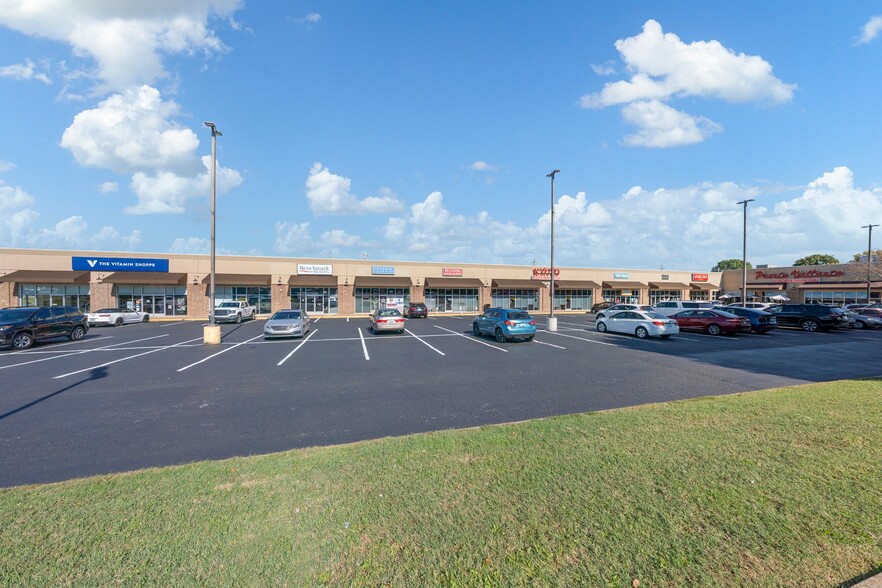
713 322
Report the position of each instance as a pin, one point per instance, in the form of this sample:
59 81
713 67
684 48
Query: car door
686 319
487 321
43 324
622 322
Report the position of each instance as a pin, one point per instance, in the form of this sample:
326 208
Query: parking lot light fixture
215 133
869 257
744 254
552 322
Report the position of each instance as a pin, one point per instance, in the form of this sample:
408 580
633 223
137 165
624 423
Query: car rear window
520 316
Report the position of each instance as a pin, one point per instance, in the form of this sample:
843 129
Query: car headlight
5 328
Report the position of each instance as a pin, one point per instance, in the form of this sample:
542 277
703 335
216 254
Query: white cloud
6 166
292 238
108 187
126 39
664 68
310 18
394 229
24 71
329 193
340 238
17 215
482 166
190 245
606 68
871 29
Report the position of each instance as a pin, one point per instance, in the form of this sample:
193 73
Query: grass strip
773 488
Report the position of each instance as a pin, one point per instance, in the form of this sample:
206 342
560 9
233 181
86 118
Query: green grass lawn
772 488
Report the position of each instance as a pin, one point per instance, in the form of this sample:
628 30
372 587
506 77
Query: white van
669 307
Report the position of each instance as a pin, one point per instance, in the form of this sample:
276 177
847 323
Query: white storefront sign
314 269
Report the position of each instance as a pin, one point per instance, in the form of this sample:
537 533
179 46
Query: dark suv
415 310
809 317
21 327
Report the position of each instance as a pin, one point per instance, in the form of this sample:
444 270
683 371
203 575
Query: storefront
515 294
839 284
622 292
661 291
156 293
453 294
574 295
373 292
314 294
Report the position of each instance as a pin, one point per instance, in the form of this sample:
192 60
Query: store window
54 295
315 300
158 300
834 297
700 295
572 299
368 300
258 296
452 299
621 296
524 299
656 296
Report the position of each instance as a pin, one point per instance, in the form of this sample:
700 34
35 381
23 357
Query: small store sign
700 277
119 264
315 269
451 272
621 275
544 273
382 270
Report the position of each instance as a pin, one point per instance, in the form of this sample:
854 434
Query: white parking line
80 352
172 324
124 359
581 339
409 332
549 344
186 367
476 340
363 346
311 333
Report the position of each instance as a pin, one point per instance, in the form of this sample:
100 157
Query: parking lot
152 394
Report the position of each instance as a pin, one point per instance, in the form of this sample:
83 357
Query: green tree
729 264
862 256
817 259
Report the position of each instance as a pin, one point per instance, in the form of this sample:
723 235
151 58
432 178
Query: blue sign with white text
119 264
383 270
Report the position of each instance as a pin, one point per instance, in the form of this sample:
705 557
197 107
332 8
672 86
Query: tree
862 256
729 264
817 259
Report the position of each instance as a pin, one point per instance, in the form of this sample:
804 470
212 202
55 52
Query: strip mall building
178 284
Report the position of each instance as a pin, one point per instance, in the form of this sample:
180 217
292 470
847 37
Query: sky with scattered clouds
425 132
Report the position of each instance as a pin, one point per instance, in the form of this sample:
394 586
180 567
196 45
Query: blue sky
424 131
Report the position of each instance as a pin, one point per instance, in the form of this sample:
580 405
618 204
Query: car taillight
659 323
510 323
533 322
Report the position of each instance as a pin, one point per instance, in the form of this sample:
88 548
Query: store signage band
315 269
621 275
700 277
382 270
119 264
544 273
799 275
451 272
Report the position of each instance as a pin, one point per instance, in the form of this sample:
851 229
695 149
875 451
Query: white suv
670 307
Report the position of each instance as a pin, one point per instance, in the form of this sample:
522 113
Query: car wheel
118 322
500 336
860 325
22 341
714 329
641 333
528 339
476 330
810 325
601 327
77 333
238 318
146 318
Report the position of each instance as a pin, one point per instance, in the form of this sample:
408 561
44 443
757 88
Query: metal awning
238 279
517 284
453 283
704 286
615 285
756 286
314 281
145 278
382 282
669 285
575 284
46 277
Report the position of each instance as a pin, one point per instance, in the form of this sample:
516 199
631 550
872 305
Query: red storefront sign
811 275
451 272
700 277
544 273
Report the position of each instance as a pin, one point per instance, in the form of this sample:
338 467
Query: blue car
505 324
760 320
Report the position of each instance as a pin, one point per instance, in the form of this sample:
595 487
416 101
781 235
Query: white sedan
641 323
115 317
620 307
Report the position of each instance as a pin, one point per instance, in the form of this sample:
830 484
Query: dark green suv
21 327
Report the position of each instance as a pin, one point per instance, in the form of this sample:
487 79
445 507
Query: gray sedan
387 319
286 323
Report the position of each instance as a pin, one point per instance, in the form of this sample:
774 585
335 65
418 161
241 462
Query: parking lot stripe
582 339
311 333
476 340
549 344
186 367
423 342
79 352
124 359
363 346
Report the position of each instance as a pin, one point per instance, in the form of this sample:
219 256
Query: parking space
153 394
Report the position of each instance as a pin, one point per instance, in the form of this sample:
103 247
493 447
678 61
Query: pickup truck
233 311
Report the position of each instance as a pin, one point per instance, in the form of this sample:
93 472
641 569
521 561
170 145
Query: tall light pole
744 255
552 322
869 256
214 135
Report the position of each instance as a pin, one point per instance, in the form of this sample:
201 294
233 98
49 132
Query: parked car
758 305
415 310
713 322
862 305
809 317
620 307
671 307
116 317
868 318
505 324
387 319
760 320
286 323
640 323
21 327
598 306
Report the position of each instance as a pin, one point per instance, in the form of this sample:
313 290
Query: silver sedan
387 319
286 323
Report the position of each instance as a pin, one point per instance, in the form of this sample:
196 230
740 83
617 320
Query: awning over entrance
704 286
46 277
238 279
314 281
380 282
144 278
517 284
453 283
615 285
669 285
575 285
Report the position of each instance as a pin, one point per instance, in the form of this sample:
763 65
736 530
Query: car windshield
109 310
15 314
286 315
228 305
519 316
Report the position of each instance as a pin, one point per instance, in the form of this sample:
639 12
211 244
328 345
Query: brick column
100 294
281 293
197 298
7 294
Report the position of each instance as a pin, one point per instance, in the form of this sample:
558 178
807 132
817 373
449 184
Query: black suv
600 306
20 327
414 310
809 317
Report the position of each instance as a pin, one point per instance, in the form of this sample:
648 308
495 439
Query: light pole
213 333
744 255
552 322
869 256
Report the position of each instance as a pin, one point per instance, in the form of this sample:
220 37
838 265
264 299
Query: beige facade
827 284
29 276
